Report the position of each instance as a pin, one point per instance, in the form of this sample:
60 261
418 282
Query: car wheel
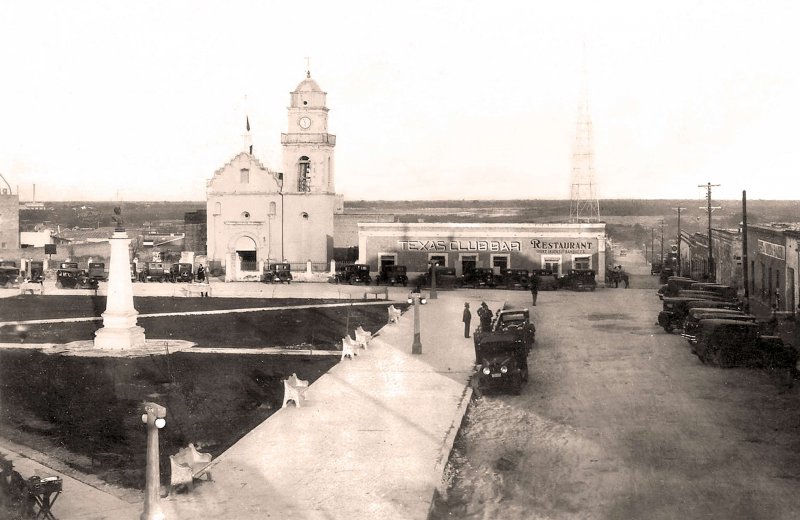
668 328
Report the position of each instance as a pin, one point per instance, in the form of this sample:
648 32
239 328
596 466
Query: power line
709 208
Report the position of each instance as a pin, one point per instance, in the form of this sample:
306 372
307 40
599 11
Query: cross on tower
308 66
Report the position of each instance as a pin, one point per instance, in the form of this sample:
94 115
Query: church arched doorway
246 254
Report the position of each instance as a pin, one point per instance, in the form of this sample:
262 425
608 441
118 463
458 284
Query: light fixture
160 422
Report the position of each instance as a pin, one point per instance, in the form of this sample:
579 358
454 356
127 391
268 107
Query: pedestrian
534 287
485 315
201 273
467 318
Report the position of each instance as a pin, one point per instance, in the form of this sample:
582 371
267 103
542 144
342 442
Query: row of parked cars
163 272
479 277
712 319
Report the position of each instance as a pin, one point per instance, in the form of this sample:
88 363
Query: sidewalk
371 441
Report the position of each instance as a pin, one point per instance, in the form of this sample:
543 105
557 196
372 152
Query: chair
348 348
394 314
187 465
362 337
294 389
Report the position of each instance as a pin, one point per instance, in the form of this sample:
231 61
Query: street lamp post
417 299
154 416
433 280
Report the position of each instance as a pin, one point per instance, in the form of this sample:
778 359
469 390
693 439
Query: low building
774 260
558 247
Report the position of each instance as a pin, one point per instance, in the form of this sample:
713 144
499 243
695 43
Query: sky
428 100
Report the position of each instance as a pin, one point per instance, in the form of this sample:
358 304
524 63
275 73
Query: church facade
257 216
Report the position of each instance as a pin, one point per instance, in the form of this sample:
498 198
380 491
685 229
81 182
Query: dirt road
621 421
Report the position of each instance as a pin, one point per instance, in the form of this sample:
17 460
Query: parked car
479 277
704 295
655 268
392 275
728 343
353 274
578 280
9 276
37 271
501 354
74 278
155 272
97 271
181 272
445 278
278 273
665 274
694 316
676 309
515 279
673 285
548 281
725 291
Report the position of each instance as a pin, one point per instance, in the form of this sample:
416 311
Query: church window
272 208
305 102
304 174
246 215
245 176
304 215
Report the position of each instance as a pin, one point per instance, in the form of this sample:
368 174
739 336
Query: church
256 216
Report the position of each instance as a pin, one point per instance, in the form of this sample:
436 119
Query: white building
257 216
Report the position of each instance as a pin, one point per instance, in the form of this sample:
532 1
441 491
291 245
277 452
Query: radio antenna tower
584 206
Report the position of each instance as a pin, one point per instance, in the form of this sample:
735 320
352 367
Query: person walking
201 273
485 314
534 287
467 318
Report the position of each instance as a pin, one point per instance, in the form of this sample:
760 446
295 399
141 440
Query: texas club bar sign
459 245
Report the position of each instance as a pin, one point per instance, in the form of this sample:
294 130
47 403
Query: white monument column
119 320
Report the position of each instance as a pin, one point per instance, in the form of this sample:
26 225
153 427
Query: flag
248 122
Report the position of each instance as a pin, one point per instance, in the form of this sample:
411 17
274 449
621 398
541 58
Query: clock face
305 122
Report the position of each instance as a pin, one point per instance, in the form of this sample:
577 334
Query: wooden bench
294 389
186 465
394 314
363 337
349 347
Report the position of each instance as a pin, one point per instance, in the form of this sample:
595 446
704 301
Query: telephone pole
661 223
679 209
711 270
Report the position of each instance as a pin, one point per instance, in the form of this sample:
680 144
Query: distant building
9 220
256 216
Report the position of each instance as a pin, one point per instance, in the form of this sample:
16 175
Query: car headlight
503 369
487 371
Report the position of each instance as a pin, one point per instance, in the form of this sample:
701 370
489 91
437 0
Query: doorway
552 263
468 263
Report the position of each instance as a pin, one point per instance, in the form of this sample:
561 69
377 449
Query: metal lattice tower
584 206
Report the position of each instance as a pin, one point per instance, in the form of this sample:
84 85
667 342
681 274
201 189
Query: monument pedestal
119 329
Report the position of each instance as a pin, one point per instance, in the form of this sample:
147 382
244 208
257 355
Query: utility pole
661 223
679 209
711 270
745 277
652 244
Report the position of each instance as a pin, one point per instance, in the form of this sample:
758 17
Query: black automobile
479 277
676 309
353 274
502 356
548 281
578 280
673 285
392 275
278 273
155 272
515 279
97 271
692 321
728 343
655 268
724 291
181 272
9 276
446 278
665 274
74 278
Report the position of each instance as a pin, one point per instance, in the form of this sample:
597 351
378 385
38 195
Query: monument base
119 338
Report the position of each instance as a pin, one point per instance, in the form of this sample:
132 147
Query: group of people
617 275
485 313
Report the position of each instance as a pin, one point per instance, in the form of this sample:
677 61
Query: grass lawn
87 411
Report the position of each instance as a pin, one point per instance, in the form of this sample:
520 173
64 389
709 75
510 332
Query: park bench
377 291
363 337
186 465
349 347
294 389
394 314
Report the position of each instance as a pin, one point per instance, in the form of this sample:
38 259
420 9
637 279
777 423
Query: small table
44 491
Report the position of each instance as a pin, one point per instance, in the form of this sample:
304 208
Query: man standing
534 287
466 319
486 317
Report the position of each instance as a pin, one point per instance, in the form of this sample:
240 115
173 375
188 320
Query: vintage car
479 277
278 273
673 285
97 271
725 291
728 343
353 274
548 281
694 316
74 278
181 272
703 295
655 268
665 274
9 276
392 275
446 278
515 279
578 280
37 271
676 309
501 353
154 272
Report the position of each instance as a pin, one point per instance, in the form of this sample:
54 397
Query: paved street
620 421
